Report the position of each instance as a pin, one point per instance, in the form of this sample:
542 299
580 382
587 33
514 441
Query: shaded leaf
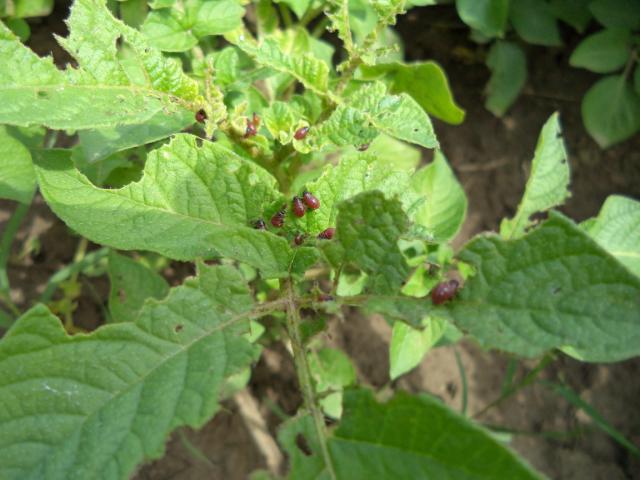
17 178
407 437
534 22
611 110
617 13
100 143
603 52
508 67
574 12
131 285
487 16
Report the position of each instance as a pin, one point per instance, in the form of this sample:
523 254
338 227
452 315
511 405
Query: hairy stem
304 376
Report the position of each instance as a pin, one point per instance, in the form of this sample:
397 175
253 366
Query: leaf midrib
179 350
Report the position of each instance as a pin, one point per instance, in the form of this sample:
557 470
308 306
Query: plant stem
286 15
463 380
8 235
304 376
10 232
74 268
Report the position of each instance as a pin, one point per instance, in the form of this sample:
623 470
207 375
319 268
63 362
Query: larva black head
444 292
298 207
201 116
301 133
259 224
312 202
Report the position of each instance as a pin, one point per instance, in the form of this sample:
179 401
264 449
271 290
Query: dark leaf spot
178 328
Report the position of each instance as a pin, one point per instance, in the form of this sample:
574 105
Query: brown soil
490 156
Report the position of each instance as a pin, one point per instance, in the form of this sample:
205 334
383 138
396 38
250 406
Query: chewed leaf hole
303 445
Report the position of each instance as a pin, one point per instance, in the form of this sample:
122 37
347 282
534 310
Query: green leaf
399 307
394 153
636 79
282 121
574 12
101 92
17 178
409 345
367 112
617 230
603 52
166 30
299 7
354 174
508 66
548 182
118 166
32 8
445 206
617 13
408 437
611 110
20 27
488 16
534 21
100 143
191 202
131 285
426 82
175 30
552 288
367 231
331 371
362 19
309 70
97 405
134 12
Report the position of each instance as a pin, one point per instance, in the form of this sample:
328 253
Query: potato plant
611 107
234 136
